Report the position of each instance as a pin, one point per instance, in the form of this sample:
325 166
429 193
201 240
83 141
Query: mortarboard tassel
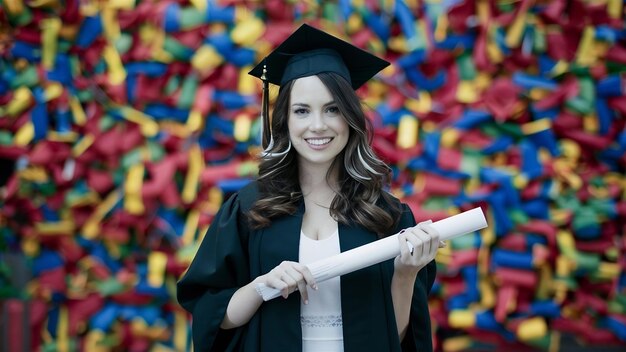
267 131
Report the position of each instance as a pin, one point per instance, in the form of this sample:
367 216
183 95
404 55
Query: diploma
381 250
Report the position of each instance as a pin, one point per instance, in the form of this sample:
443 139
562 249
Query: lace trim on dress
321 321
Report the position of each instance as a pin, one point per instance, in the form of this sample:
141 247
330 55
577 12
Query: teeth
321 141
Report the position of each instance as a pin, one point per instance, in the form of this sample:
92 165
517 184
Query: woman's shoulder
399 210
247 195
388 200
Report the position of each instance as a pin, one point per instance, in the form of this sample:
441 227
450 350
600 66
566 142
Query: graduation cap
309 51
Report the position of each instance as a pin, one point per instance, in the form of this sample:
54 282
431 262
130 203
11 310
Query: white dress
322 325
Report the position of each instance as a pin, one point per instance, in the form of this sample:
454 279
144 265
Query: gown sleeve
219 268
418 334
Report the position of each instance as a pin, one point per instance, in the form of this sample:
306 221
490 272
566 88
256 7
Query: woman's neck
315 184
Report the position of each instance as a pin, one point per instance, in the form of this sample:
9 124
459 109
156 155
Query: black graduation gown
232 255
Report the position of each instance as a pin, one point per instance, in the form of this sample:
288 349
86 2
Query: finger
434 234
411 247
279 285
404 248
290 279
435 243
304 294
421 242
305 278
409 242
296 281
427 227
434 238
433 246
405 244
285 287
308 276
425 222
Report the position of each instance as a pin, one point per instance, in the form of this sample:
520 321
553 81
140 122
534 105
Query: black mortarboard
307 52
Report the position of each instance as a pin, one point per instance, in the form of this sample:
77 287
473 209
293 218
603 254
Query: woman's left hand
424 241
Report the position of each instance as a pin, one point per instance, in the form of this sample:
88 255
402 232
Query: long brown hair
361 177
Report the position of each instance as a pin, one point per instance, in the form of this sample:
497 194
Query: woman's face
317 130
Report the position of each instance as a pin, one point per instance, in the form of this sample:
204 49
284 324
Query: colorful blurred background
124 125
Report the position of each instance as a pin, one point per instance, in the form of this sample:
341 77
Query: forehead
309 90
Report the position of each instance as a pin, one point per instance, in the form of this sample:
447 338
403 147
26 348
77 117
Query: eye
300 111
332 110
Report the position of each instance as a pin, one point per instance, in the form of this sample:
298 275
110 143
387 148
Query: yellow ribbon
247 32
516 30
422 104
536 126
117 72
407 132
247 84
24 135
483 12
157 262
546 282
92 226
608 271
66 137
566 243
201 5
147 125
50 28
80 118
487 294
462 318
94 341
34 174
180 331
82 145
191 227
63 227
133 202
215 199
206 59
243 124
43 3
110 24
22 98
493 50
196 164
586 55
121 4
63 341
614 8
177 129
532 328
457 343
467 92
14 7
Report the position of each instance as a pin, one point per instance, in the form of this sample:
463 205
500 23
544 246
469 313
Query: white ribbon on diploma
383 249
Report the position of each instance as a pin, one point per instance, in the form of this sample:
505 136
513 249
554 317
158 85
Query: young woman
319 192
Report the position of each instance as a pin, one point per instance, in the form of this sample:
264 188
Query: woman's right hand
289 276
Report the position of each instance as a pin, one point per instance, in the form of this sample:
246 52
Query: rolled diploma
381 250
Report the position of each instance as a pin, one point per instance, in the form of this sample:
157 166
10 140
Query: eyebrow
307 105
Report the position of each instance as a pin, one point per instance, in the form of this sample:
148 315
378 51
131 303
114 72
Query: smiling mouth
318 141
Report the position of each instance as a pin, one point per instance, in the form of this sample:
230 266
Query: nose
317 123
